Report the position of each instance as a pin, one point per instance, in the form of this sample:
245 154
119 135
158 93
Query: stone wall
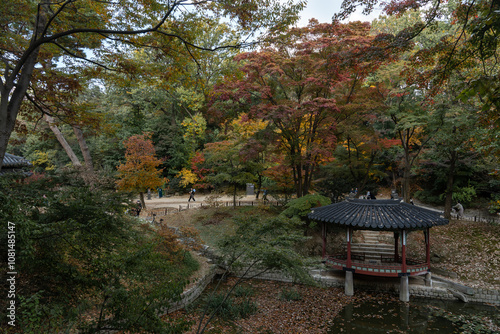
441 288
190 295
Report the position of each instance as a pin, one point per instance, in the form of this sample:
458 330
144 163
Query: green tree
468 48
228 165
301 207
76 246
259 244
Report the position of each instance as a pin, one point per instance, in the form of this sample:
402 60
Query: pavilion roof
14 164
368 214
12 161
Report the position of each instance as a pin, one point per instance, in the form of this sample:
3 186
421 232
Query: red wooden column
427 247
349 235
403 250
323 233
396 247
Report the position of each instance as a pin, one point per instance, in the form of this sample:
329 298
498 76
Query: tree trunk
406 182
361 186
143 202
234 196
14 86
259 186
407 168
69 151
448 201
84 148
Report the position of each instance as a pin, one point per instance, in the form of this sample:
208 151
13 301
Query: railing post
428 248
403 251
348 264
323 230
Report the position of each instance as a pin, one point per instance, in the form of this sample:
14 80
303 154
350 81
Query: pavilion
15 164
378 215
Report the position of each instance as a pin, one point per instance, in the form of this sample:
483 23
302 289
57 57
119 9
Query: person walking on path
138 208
191 195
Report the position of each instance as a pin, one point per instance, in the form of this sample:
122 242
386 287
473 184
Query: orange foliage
139 172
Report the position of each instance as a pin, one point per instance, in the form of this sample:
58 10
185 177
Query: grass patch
243 291
227 308
214 223
290 294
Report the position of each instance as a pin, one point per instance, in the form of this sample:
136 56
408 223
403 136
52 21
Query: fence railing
490 220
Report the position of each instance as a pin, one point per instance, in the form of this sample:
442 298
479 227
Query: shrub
494 205
77 246
302 206
243 291
464 195
227 309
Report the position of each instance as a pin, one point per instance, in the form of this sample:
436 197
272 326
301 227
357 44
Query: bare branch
461 35
72 54
55 15
37 42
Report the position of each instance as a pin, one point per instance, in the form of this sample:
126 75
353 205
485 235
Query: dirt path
175 201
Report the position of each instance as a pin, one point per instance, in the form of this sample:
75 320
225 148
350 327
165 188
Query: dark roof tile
377 215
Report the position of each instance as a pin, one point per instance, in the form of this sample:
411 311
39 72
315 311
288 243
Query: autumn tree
304 84
468 49
425 83
38 33
139 172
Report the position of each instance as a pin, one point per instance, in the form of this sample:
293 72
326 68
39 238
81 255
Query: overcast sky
323 10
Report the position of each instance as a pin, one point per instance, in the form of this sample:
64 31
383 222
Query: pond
418 316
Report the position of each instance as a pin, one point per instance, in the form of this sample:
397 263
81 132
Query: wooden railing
389 269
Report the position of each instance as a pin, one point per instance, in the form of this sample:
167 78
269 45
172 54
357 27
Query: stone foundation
440 288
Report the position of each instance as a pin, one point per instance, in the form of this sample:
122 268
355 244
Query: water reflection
382 316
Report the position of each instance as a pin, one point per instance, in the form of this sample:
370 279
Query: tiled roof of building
12 161
377 215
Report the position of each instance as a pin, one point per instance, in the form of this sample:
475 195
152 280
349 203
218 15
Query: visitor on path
265 195
138 208
191 195
459 209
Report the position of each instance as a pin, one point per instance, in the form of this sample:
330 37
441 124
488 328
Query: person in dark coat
138 208
191 195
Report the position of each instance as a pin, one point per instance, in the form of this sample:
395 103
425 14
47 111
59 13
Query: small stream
418 316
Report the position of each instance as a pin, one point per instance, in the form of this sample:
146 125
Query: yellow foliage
189 98
43 159
187 177
194 128
243 128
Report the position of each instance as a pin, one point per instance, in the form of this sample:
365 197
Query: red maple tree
304 84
